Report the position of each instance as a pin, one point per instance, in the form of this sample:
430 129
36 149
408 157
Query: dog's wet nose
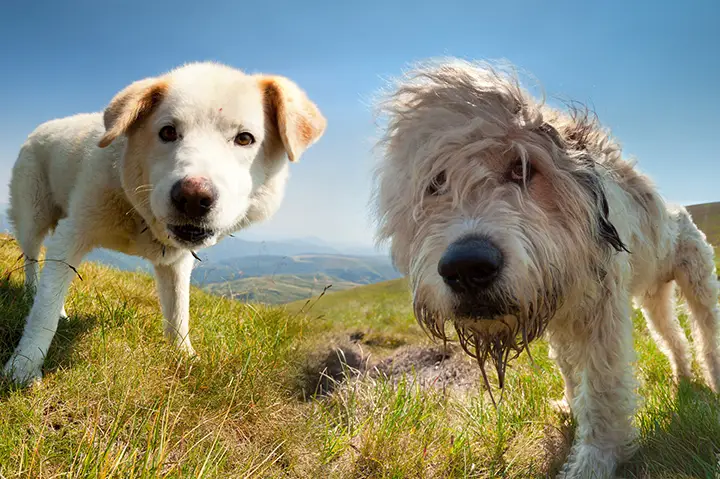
470 263
194 196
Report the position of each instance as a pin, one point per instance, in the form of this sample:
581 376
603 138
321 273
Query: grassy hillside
116 402
278 289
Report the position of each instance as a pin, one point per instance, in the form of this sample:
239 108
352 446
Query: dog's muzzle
193 198
470 267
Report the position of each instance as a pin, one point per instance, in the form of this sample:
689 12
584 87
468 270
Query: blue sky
651 70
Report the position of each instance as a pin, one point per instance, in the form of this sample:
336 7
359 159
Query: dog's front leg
604 399
64 253
569 375
173 284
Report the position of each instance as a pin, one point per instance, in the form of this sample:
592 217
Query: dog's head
206 148
492 202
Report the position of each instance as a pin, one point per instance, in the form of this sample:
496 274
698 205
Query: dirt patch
329 366
556 444
442 367
445 367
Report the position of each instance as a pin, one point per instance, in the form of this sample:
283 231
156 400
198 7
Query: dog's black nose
194 196
470 264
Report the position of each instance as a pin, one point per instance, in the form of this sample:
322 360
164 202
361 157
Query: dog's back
50 159
45 175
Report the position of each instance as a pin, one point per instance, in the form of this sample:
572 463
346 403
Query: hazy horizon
648 69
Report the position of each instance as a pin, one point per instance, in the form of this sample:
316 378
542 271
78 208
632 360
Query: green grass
116 402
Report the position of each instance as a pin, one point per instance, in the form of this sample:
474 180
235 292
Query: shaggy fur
107 180
468 153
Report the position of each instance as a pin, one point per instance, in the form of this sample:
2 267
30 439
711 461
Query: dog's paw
561 407
589 462
188 351
23 370
63 314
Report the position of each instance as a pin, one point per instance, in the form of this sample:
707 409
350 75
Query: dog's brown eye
436 184
521 171
244 139
168 134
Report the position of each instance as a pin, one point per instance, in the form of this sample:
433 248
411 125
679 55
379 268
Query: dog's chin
479 311
481 317
188 236
488 324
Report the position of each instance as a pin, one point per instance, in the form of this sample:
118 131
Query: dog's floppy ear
553 134
606 229
607 232
297 119
134 103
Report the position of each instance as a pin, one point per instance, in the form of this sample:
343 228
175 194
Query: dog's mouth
480 310
190 234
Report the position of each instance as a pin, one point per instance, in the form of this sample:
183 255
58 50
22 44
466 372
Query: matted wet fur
515 220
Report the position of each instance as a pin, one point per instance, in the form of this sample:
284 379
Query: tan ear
134 103
298 120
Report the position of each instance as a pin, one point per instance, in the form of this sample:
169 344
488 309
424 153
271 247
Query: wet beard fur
497 340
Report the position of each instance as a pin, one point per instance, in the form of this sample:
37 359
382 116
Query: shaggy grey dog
514 220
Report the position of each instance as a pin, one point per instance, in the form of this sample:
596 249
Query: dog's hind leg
64 253
30 238
696 275
32 213
659 311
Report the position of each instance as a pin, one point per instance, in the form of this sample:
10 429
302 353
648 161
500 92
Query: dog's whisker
144 188
136 207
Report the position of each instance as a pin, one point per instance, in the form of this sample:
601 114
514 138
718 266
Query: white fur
104 180
475 124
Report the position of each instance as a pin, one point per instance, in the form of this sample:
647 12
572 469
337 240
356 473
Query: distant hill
228 251
270 279
280 288
353 269
707 217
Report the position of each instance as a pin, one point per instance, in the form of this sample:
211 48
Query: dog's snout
193 196
469 264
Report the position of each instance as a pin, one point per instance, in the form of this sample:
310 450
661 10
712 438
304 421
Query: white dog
176 163
513 219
